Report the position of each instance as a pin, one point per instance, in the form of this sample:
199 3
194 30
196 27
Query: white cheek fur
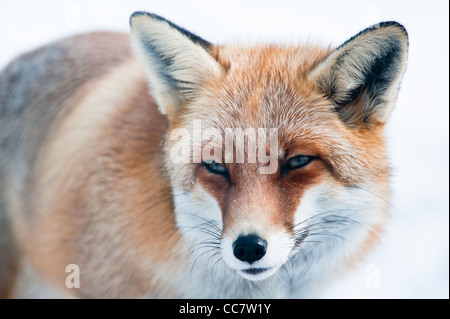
195 217
338 221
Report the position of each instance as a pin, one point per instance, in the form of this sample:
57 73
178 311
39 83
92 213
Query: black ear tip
390 24
147 14
381 25
136 14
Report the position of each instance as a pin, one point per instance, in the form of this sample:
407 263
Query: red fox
162 165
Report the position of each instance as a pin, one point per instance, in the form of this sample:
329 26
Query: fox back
162 165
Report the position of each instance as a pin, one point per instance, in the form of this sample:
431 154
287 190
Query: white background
412 260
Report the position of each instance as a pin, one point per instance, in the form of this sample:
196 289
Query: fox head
316 115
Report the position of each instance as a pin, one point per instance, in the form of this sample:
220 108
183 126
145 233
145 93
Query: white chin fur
261 276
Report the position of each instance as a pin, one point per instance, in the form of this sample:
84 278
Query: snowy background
413 258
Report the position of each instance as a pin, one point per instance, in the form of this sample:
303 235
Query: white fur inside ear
175 65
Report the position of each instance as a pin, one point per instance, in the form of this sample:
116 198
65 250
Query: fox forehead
264 85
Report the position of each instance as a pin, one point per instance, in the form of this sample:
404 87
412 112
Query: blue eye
216 168
298 161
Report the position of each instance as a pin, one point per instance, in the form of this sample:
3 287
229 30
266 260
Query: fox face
275 154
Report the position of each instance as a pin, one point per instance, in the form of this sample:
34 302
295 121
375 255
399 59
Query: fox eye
216 168
298 161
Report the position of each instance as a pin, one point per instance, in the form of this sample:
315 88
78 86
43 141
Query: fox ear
176 61
362 76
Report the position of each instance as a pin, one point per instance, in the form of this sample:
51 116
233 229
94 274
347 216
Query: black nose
249 248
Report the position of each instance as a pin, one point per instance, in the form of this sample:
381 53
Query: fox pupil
299 161
215 168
